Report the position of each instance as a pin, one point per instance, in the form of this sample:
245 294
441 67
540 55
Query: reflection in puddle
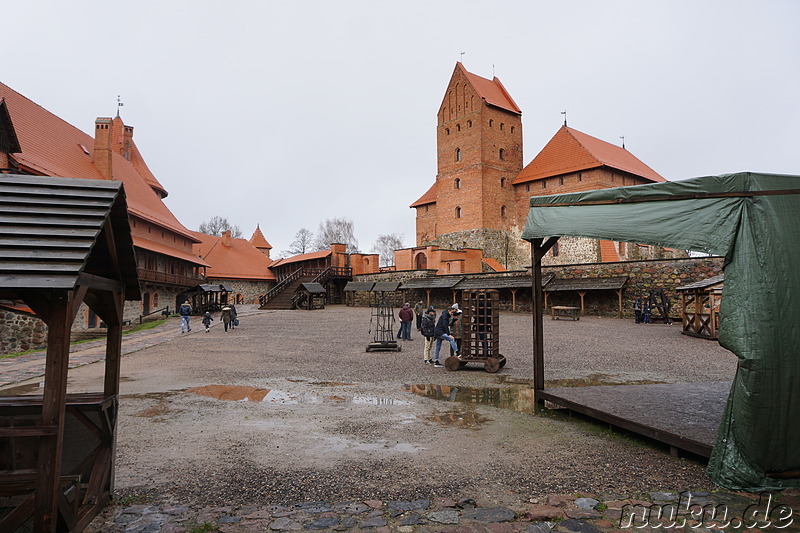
518 399
322 383
462 416
239 393
593 380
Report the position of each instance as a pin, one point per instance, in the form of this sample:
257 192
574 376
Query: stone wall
20 332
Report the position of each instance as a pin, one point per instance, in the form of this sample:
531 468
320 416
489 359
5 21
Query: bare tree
385 245
219 225
336 230
303 242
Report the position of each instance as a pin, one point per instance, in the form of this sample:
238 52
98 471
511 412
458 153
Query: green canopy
753 220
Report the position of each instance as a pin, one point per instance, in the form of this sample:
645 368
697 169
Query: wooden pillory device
481 327
700 307
63 242
383 300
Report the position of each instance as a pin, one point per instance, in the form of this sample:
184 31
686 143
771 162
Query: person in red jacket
406 318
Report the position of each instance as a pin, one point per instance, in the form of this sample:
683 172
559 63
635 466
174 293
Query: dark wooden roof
586 284
500 282
353 286
314 288
703 284
385 286
432 282
52 233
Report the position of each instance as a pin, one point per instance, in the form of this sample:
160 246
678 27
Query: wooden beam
619 297
538 249
39 302
100 283
583 308
55 388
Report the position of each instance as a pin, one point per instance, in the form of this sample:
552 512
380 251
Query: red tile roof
53 147
302 257
571 151
494 264
491 90
427 198
258 239
162 248
240 260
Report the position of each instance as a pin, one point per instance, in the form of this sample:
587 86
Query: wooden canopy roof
58 233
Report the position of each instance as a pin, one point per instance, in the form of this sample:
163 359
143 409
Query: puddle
594 380
518 399
22 390
239 393
322 383
461 416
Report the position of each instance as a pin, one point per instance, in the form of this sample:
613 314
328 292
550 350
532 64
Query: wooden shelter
584 285
700 307
62 242
310 296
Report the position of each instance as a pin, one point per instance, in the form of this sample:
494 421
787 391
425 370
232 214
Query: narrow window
447 131
555 249
561 180
502 125
544 184
580 176
458 127
457 183
458 154
502 154
503 182
512 129
469 123
458 212
491 122
527 187
503 211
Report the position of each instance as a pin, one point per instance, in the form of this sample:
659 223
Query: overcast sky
287 113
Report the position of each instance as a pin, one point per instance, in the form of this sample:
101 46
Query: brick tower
479 153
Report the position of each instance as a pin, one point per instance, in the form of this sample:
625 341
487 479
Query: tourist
226 316
637 310
419 310
427 329
442 333
234 314
207 320
185 311
646 314
406 317
457 329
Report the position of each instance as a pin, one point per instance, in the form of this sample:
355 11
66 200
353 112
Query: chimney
102 147
226 239
127 142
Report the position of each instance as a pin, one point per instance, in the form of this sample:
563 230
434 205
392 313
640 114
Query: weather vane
119 104
565 116
623 141
462 57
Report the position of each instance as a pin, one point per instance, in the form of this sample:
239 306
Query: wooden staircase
280 296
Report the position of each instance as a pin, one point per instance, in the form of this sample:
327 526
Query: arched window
469 123
503 211
502 125
155 299
491 122
458 212
503 182
457 183
512 129
458 154
447 131
502 154
458 127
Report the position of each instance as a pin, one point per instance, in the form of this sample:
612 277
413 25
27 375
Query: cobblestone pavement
558 513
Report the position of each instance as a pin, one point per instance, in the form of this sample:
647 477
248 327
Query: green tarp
758 233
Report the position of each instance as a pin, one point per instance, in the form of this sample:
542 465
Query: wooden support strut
538 249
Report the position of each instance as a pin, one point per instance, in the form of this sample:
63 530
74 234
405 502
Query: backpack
428 326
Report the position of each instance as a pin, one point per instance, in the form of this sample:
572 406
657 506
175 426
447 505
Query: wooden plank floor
683 415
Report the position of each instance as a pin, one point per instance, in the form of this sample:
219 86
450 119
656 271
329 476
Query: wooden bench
563 311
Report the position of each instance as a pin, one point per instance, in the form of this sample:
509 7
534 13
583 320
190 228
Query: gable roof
571 150
491 91
302 257
258 239
238 259
51 234
8 137
427 198
52 147
494 264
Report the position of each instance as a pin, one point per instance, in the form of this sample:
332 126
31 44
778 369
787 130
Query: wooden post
53 409
513 299
583 308
428 292
619 296
538 249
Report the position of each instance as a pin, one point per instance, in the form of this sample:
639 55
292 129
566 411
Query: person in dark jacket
234 320
185 310
637 310
226 316
419 310
428 328
442 333
406 318
207 320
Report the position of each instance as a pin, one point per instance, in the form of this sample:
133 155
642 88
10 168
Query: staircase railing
321 276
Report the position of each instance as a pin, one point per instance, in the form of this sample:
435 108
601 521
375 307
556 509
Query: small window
458 154
555 249
512 129
447 131
544 184
527 187
502 125
561 180
491 122
458 127
469 123
502 154
503 211
457 183
503 182
580 176
458 212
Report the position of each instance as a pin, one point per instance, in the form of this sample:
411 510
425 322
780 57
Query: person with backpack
442 333
428 327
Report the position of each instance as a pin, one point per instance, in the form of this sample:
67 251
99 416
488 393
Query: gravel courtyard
327 421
